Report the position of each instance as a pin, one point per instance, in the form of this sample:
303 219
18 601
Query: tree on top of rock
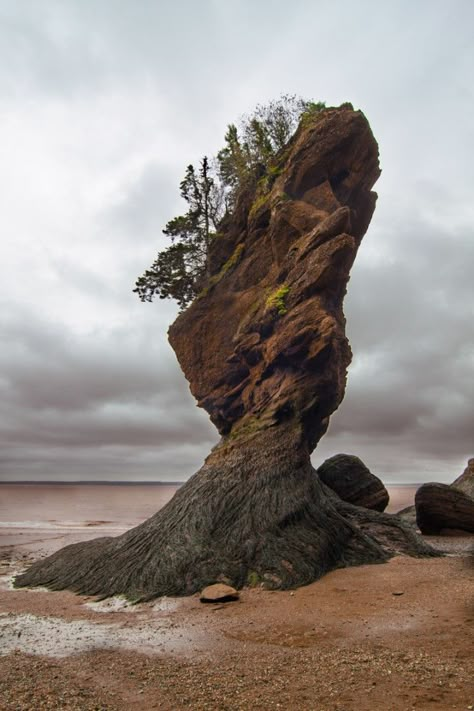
250 149
180 271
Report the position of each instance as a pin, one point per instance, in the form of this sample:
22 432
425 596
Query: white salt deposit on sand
55 637
112 604
6 582
121 604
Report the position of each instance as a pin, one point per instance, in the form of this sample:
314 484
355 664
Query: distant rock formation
442 508
465 482
265 353
348 476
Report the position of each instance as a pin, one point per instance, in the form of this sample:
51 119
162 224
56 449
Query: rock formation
446 508
348 476
441 509
264 350
408 514
465 482
265 343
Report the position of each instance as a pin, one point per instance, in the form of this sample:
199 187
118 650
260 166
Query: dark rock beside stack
443 509
353 482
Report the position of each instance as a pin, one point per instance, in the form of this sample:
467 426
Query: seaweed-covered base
256 512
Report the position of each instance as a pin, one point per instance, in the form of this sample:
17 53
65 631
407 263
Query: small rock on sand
219 593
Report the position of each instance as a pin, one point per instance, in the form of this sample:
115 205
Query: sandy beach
395 636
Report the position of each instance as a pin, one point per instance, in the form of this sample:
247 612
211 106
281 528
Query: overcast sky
103 103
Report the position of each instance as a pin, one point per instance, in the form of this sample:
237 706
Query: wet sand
393 636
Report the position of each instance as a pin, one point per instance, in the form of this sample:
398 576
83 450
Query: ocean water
50 505
105 505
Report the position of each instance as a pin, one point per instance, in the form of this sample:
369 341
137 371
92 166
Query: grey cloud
53 371
68 46
151 200
43 51
64 395
80 277
108 427
96 463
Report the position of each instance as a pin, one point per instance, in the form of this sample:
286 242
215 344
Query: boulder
464 483
440 507
352 481
219 593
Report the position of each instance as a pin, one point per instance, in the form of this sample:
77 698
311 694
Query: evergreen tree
178 270
251 150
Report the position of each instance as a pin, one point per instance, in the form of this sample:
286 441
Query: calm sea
106 504
83 504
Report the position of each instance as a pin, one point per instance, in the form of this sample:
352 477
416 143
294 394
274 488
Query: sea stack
263 347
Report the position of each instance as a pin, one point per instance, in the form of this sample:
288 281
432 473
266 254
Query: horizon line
142 482
93 482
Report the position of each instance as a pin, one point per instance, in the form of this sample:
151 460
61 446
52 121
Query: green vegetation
230 264
252 150
252 158
253 579
233 259
312 108
258 203
178 269
245 428
277 300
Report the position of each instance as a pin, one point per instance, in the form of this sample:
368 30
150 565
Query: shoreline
397 636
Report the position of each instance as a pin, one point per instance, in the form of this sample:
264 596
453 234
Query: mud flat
394 636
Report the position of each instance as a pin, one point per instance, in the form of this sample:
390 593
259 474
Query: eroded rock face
265 342
441 508
352 481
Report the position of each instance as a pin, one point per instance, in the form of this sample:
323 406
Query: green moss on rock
259 203
277 299
226 267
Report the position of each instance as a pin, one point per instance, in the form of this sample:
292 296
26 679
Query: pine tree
178 270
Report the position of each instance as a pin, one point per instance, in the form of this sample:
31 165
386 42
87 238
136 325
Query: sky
103 104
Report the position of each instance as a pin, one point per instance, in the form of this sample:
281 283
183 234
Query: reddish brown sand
395 637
